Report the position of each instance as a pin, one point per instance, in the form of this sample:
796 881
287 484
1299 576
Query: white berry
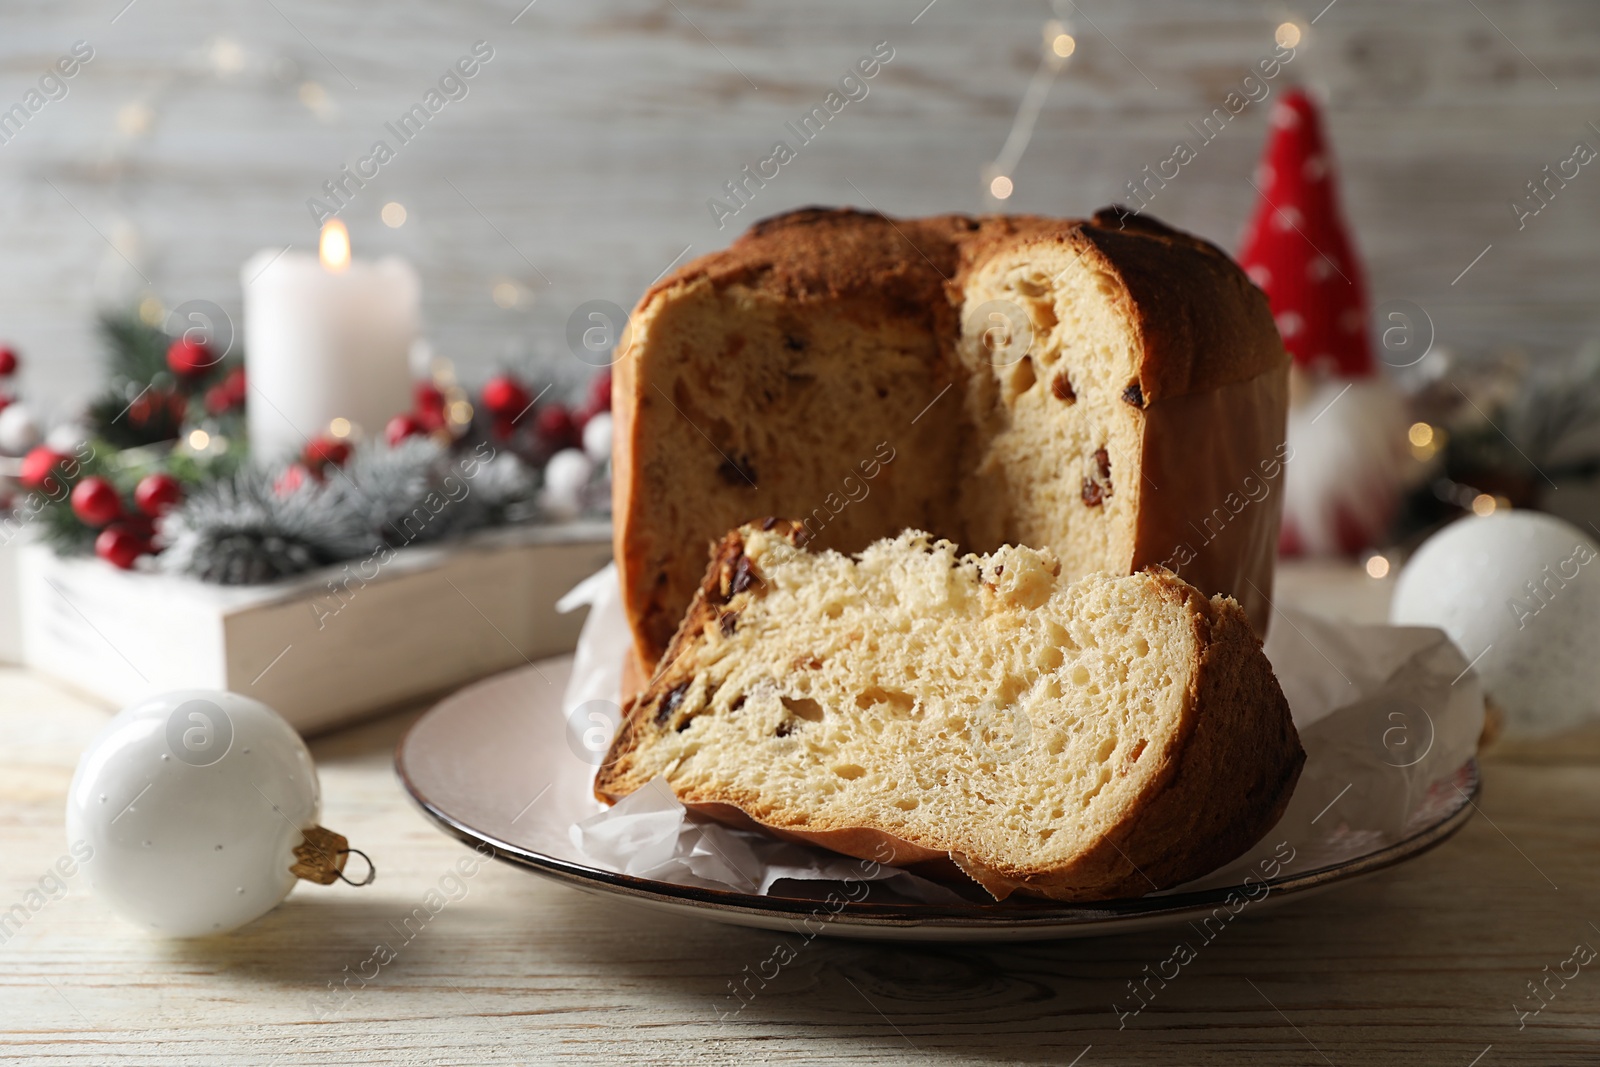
597 437
567 472
19 431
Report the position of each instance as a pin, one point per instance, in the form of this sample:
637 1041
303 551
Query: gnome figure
1346 421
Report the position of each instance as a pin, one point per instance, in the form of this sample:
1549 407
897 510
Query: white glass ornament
567 472
19 430
1519 593
566 476
68 437
597 437
194 802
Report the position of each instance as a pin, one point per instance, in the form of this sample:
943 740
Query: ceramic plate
497 763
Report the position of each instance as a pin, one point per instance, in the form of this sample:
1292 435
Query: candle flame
335 247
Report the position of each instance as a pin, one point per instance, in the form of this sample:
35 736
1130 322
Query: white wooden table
1423 964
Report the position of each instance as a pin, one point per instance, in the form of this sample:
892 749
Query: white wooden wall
592 139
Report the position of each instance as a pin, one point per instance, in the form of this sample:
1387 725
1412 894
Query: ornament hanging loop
372 871
320 858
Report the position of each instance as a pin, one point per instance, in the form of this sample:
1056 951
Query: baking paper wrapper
1389 717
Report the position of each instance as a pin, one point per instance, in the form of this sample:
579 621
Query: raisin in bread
1081 740
1111 389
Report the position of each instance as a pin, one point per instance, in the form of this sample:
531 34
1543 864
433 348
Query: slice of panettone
1080 740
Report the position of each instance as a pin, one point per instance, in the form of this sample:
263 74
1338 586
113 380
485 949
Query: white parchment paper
1388 717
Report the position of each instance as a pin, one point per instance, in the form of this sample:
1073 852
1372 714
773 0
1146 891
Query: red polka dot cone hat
1346 420
1298 249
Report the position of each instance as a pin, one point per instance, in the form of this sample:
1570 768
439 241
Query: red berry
291 479
401 427
157 493
95 501
325 452
218 400
555 426
600 392
141 526
154 405
428 399
227 394
120 546
8 361
504 395
187 358
39 470
141 408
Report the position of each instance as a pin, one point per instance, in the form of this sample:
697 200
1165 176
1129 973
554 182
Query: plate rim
933 917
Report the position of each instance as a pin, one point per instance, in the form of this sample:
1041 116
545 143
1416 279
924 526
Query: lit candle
326 337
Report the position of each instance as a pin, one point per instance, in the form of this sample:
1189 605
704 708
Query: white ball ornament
567 472
197 804
68 437
1519 593
19 430
566 476
597 437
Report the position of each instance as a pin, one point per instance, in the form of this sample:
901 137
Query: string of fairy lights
1058 44
224 58
1057 47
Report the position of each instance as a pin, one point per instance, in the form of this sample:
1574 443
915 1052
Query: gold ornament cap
321 857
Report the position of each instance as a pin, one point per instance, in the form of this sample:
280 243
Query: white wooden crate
431 619
10 600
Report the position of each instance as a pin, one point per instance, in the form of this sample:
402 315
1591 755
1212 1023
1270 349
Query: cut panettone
1080 740
1111 389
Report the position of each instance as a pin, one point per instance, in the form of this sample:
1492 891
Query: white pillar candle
325 337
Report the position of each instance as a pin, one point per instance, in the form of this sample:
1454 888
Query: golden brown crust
1187 297
1224 778
1215 522
1201 321
858 841
627 534
821 253
634 676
